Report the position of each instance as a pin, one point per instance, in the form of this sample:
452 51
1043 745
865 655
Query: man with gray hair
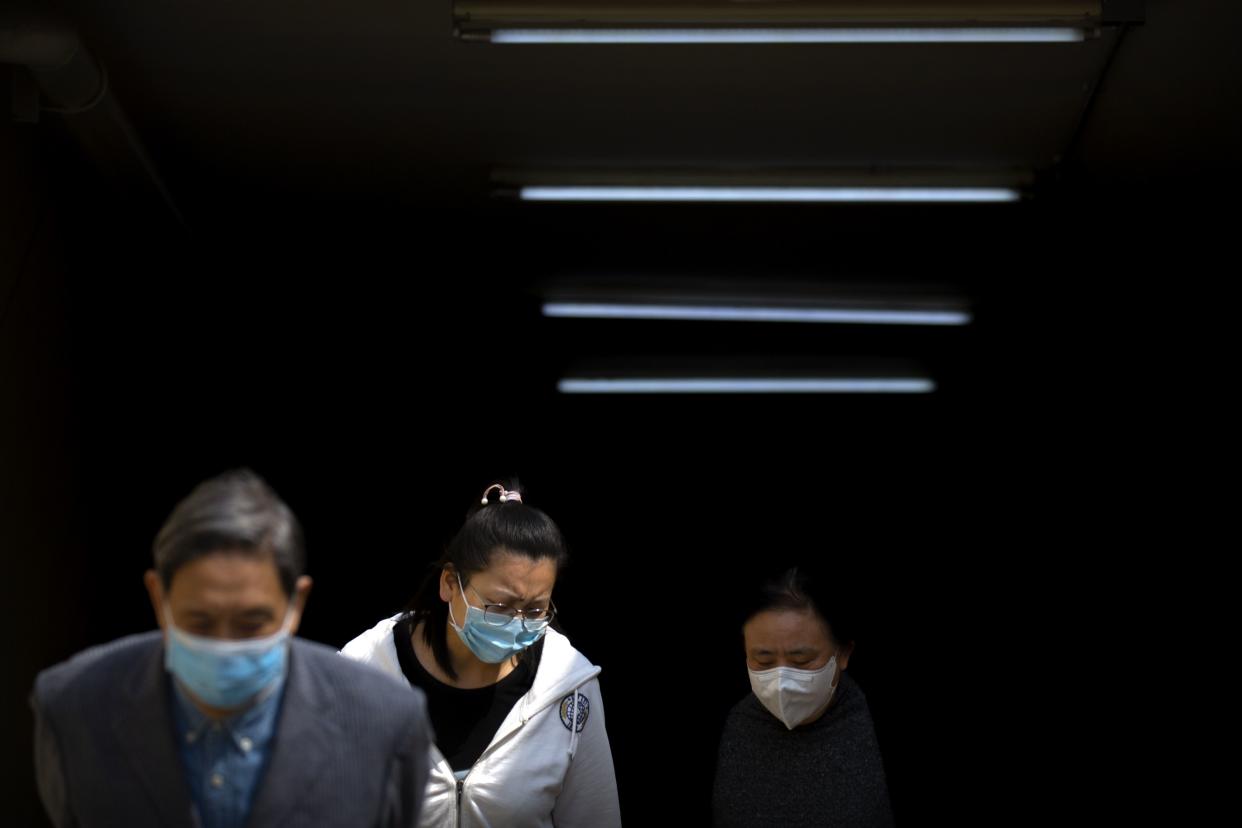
222 718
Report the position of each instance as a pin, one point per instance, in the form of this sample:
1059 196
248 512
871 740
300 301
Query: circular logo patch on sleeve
583 709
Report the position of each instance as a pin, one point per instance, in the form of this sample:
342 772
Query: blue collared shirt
224 759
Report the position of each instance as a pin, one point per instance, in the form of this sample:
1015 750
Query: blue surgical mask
226 673
492 644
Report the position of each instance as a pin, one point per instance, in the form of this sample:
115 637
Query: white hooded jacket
537 770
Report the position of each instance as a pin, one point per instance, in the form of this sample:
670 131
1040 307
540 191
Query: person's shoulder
357 682
747 726
747 709
849 719
560 652
851 701
367 645
561 669
96 670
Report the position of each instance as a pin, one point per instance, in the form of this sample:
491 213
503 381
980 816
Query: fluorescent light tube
746 386
754 35
585 310
769 194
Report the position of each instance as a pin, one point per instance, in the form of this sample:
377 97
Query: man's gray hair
235 512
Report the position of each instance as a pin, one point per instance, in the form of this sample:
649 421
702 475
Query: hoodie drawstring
573 723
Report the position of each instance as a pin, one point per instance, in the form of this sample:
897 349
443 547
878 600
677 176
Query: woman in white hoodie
517 713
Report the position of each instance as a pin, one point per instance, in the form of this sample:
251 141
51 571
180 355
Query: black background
380 363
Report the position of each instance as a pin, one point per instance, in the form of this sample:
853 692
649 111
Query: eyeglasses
534 619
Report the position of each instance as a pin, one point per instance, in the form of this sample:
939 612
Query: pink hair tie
505 494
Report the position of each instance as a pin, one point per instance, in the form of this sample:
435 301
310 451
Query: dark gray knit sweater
826 773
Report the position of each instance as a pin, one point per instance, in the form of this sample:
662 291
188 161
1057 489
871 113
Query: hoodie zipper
524 716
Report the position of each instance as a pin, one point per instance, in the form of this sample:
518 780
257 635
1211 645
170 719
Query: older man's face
227 595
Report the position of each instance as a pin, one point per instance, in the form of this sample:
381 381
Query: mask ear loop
284 625
573 724
453 620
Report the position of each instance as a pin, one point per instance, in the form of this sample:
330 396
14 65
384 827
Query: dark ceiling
376 97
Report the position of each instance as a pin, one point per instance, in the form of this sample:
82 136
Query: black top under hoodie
464 720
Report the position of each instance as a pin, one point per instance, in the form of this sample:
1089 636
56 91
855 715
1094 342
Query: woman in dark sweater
800 749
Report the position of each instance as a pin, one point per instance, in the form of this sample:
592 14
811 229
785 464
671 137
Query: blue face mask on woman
226 673
489 643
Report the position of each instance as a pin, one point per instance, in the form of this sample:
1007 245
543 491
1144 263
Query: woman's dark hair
511 527
802 588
